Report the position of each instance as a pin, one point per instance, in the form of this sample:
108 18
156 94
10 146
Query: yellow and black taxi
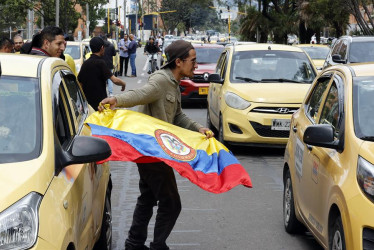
53 194
328 169
254 91
79 51
317 52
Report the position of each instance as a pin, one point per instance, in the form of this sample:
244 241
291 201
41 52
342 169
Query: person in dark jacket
132 54
152 50
108 58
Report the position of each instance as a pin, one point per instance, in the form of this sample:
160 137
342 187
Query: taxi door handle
294 128
309 147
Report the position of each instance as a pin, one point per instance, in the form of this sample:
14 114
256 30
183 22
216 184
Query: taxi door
322 165
92 196
215 93
307 115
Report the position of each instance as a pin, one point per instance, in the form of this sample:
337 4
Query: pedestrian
18 42
159 42
49 42
123 53
132 54
94 74
160 98
6 45
109 52
152 50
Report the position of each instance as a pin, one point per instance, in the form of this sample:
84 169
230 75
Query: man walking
95 73
123 53
160 98
132 54
18 42
152 50
109 52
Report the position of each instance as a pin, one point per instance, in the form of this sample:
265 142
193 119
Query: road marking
198 209
140 81
142 74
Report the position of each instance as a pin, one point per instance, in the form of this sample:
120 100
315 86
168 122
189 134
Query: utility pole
87 21
116 17
136 18
57 13
124 17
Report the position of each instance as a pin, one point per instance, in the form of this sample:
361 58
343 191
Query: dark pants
121 64
157 184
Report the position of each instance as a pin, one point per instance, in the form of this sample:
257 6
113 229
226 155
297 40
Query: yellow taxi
116 64
317 52
328 171
254 91
78 51
53 194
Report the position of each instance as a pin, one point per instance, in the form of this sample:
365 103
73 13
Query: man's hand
206 131
110 100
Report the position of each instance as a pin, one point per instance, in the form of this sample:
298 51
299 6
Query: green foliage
13 13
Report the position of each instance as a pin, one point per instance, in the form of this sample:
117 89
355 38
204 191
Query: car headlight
235 101
365 177
77 67
19 223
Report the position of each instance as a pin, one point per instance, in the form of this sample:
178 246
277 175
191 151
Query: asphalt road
242 218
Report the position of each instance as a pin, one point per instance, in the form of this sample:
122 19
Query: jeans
154 56
110 85
157 184
132 63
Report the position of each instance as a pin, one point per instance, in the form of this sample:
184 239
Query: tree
364 18
13 13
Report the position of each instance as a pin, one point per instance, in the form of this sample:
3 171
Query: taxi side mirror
321 135
80 149
216 78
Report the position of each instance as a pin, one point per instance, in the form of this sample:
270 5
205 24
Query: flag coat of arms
140 138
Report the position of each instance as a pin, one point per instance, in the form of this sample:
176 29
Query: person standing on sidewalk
160 98
94 74
132 54
123 54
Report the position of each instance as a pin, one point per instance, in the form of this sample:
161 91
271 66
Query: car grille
275 110
368 239
198 78
266 131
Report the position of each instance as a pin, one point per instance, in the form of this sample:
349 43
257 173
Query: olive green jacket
160 98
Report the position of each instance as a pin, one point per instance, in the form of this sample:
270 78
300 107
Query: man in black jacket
152 50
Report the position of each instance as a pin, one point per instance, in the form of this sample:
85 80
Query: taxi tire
220 131
105 240
293 225
336 235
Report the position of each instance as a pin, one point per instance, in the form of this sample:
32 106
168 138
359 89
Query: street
239 219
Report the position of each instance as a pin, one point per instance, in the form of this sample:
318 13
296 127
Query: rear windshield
20 119
73 51
208 55
271 66
363 101
317 53
361 52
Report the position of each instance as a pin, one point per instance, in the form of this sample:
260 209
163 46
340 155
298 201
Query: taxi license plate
203 91
280 124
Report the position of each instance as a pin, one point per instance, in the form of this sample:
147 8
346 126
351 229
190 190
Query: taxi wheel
336 235
105 240
291 224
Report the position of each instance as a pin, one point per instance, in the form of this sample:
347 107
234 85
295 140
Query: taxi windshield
20 121
363 96
208 55
317 53
271 66
73 51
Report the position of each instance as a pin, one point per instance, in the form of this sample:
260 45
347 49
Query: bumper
192 91
255 128
42 244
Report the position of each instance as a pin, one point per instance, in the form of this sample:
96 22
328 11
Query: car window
20 119
73 50
314 102
361 52
207 55
271 65
330 111
61 116
220 62
343 49
363 96
336 48
76 99
317 53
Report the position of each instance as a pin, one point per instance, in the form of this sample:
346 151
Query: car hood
19 179
271 92
203 68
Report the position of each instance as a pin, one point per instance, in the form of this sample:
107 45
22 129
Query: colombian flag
140 138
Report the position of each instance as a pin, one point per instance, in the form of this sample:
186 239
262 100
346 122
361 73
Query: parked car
255 90
78 51
317 52
116 64
292 39
328 165
53 194
196 88
351 49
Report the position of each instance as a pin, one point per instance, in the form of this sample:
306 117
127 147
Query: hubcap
337 241
287 201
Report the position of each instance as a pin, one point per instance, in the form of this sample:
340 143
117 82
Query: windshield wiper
279 80
247 79
367 138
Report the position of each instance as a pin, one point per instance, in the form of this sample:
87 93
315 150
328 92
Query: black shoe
157 68
149 72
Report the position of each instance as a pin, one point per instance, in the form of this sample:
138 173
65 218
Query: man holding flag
160 98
